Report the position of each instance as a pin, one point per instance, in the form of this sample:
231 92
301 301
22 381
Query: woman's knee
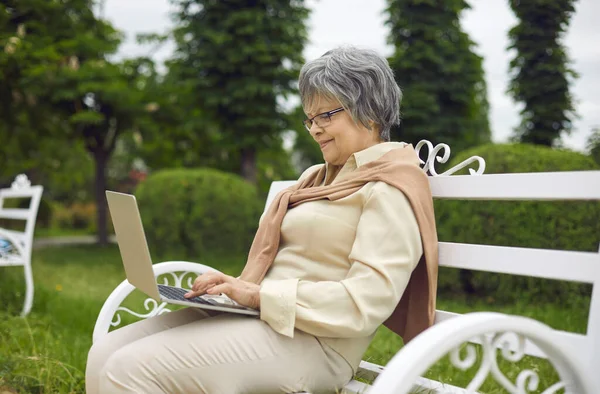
124 371
100 351
98 354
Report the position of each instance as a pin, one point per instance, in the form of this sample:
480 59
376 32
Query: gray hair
361 80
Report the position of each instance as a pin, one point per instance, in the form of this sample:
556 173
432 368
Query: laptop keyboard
176 293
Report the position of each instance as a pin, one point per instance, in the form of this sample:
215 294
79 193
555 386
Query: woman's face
341 137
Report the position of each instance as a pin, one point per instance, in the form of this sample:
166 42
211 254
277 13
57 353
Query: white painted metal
16 214
574 185
593 328
571 266
275 188
368 371
19 236
356 387
109 315
571 340
566 185
21 241
433 158
408 365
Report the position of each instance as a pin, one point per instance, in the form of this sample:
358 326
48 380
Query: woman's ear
374 127
370 125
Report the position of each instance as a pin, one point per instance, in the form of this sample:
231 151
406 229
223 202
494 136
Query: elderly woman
351 246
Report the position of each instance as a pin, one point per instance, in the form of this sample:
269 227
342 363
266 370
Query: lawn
46 352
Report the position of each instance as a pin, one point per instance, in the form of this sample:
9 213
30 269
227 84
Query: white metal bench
17 251
573 355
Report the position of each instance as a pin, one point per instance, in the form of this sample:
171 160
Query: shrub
44 214
548 225
79 216
191 213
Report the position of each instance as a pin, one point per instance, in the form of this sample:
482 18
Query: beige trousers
189 352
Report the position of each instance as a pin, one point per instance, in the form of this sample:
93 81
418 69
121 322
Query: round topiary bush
191 213
549 225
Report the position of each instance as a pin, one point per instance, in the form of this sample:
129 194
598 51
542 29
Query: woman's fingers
197 282
206 281
192 294
244 293
225 288
227 285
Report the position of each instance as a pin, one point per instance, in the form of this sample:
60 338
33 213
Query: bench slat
356 387
572 266
27 192
574 185
370 371
17 214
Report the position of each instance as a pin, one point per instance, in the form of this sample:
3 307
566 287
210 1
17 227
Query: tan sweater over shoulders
342 266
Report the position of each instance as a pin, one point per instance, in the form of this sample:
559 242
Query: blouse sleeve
385 251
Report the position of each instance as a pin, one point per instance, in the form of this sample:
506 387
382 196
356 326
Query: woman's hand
214 283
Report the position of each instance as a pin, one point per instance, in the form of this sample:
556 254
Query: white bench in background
18 252
573 355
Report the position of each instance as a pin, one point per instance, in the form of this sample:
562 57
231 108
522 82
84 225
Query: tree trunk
249 164
101 158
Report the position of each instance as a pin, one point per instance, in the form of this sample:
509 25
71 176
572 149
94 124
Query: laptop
138 264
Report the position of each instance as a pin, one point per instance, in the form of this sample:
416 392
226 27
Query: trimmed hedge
548 225
191 213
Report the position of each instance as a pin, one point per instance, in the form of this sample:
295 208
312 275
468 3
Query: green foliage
273 165
236 60
25 362
540 70
77 216
180 151
57 86
306 150
198 212
593 144
441 77
549 225
64 168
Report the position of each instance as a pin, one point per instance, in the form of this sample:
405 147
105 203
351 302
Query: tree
237 58
103 102
593 144
306 151
540 72
61 87
441 77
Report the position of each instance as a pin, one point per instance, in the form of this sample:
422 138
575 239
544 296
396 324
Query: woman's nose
315 129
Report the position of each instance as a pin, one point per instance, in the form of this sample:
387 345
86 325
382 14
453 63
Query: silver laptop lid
132 242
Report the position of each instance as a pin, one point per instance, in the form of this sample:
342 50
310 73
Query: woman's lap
223 354
115 340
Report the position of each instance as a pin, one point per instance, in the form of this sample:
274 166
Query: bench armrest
494 330
109 315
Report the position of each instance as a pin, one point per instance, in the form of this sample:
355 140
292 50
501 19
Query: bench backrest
21 189
582 267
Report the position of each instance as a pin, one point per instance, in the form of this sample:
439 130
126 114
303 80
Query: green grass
41 232
47 351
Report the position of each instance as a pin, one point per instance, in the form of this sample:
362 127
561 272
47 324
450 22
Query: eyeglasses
321 120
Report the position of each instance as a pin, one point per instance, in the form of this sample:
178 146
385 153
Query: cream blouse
343 265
